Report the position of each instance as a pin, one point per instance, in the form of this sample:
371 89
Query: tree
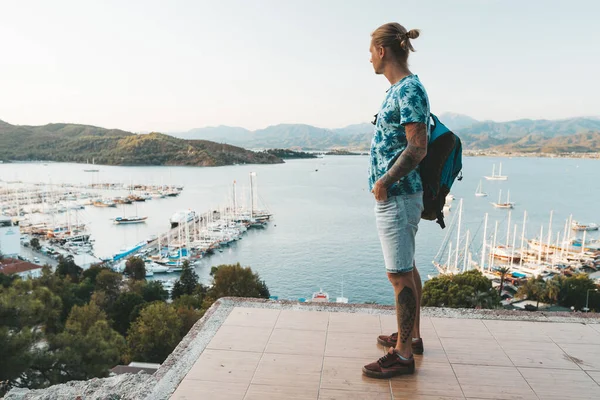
237 281
503 271
24 311
154 291
187 282
67 267
121 310
135 267
109 283
553 287
154 334
574 293
466 290
92 272
88 347
7 280
35 244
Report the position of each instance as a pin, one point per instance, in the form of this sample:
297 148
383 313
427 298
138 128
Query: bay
323 230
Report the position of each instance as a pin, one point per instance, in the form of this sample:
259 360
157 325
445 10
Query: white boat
505 205
505 253
156 269
130 220
449 198
576 226
495 177
479 192
182 216
342 299
320 297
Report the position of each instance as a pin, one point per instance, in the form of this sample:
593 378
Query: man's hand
380 191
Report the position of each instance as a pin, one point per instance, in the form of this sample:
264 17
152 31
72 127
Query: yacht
182 216
576 226
130 220
320 297
495 177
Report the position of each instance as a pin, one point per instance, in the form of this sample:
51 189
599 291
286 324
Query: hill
80 143
524 127
579 143
456 121
476 135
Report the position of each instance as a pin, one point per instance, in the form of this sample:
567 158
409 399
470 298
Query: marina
324 224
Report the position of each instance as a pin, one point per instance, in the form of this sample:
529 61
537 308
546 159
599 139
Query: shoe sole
415 350
387 375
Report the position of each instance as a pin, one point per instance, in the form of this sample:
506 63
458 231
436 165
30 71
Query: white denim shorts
397 220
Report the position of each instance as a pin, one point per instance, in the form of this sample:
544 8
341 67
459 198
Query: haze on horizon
168 67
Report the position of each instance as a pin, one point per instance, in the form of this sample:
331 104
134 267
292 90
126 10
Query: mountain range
82 143
475 134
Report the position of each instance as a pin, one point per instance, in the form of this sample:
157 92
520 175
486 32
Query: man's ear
381 51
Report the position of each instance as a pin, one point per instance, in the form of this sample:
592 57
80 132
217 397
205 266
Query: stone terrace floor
277 353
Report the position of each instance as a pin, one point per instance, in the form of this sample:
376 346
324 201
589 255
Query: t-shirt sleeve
414 105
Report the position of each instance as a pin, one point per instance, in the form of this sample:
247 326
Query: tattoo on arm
407 311
416 134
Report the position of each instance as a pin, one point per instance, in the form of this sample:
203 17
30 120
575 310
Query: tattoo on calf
407 311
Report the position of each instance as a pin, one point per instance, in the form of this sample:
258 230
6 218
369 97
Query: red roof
10 266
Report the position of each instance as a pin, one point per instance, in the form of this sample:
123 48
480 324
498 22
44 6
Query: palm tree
503 271
481 300
552 290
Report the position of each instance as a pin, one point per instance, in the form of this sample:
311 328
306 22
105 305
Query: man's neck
396 73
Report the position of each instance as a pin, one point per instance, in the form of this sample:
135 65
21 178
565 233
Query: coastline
491 153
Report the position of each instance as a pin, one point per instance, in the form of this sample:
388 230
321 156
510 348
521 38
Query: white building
26 270
10 238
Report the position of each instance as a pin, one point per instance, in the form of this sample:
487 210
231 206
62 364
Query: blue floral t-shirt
406 101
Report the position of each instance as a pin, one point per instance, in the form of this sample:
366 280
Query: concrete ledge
165 380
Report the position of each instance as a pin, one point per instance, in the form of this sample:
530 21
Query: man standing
399 144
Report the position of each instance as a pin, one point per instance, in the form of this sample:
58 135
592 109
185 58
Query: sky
170 66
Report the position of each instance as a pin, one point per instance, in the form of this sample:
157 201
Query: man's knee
400 278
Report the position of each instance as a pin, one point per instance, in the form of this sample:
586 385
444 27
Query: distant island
341 152
83 143
287 154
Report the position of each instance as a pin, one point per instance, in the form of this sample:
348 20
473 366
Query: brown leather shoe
390 341
389 366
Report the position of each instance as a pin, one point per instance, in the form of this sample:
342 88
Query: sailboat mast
523 237
493 250
466 251
508 230
484 237
541 244
512 249
458 234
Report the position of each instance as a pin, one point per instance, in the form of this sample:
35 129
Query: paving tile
461 328
354 323
346 374
224 366
429 379
353 345
595 376
475 351
256 317
595 327
587 356
563 333
426 397
331 394
290 341
266 392
192 389
306 320
289 370
492 382
537 355
516 331
233 337
555 384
